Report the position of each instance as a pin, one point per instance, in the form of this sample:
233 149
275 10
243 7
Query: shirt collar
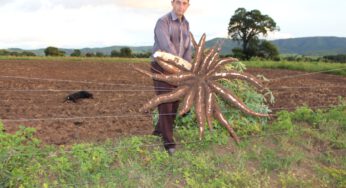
175 17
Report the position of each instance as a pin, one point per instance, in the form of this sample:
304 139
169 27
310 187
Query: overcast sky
31 24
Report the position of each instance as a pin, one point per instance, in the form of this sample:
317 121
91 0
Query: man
172 36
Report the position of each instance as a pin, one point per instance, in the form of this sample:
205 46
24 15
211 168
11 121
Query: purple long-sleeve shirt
167 36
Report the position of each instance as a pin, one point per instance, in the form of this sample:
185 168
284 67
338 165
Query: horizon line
72 48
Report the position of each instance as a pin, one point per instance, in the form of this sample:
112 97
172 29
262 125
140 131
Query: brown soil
113 111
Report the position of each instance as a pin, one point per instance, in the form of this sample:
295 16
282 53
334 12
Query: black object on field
78 95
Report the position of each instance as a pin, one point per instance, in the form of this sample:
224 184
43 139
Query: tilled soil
32 93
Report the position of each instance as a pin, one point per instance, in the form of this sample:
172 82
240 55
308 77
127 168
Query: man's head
180 7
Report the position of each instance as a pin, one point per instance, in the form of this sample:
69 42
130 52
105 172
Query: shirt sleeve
188 54
188 51
163 38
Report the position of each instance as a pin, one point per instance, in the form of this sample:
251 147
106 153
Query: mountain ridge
310 46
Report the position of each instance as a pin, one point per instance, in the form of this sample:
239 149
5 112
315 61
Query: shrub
53 51
76 53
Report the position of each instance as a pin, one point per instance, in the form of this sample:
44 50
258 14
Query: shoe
186 114
156 133
171 151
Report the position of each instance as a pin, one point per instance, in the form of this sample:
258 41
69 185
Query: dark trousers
167 111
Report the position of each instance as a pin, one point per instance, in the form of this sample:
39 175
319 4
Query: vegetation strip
296 143
311 67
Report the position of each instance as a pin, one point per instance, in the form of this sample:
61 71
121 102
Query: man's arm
188 51
188 54
163 38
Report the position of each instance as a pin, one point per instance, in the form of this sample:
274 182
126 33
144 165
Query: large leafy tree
268 50
246 26
53 51
76 53
125 52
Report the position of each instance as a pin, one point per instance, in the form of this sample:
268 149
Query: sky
32 24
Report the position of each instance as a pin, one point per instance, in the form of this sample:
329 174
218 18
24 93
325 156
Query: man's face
180 6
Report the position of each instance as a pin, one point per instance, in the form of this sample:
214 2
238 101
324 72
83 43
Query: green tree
28 53
341 58
238 53
4 52
76 53
14 54
53 51
268 50
115 53
99 54
125 52
142 55
90 54
246 26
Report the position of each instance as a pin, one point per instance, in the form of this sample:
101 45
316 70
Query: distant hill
227 44
311 46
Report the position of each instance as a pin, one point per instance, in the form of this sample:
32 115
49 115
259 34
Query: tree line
54 51
123 52
9 53
261 54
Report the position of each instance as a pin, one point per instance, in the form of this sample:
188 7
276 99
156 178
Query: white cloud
97 23
33 5
80 23
80 3
148 5
89 26
4 2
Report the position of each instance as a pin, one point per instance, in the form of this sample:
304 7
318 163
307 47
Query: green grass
302 66
303 148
